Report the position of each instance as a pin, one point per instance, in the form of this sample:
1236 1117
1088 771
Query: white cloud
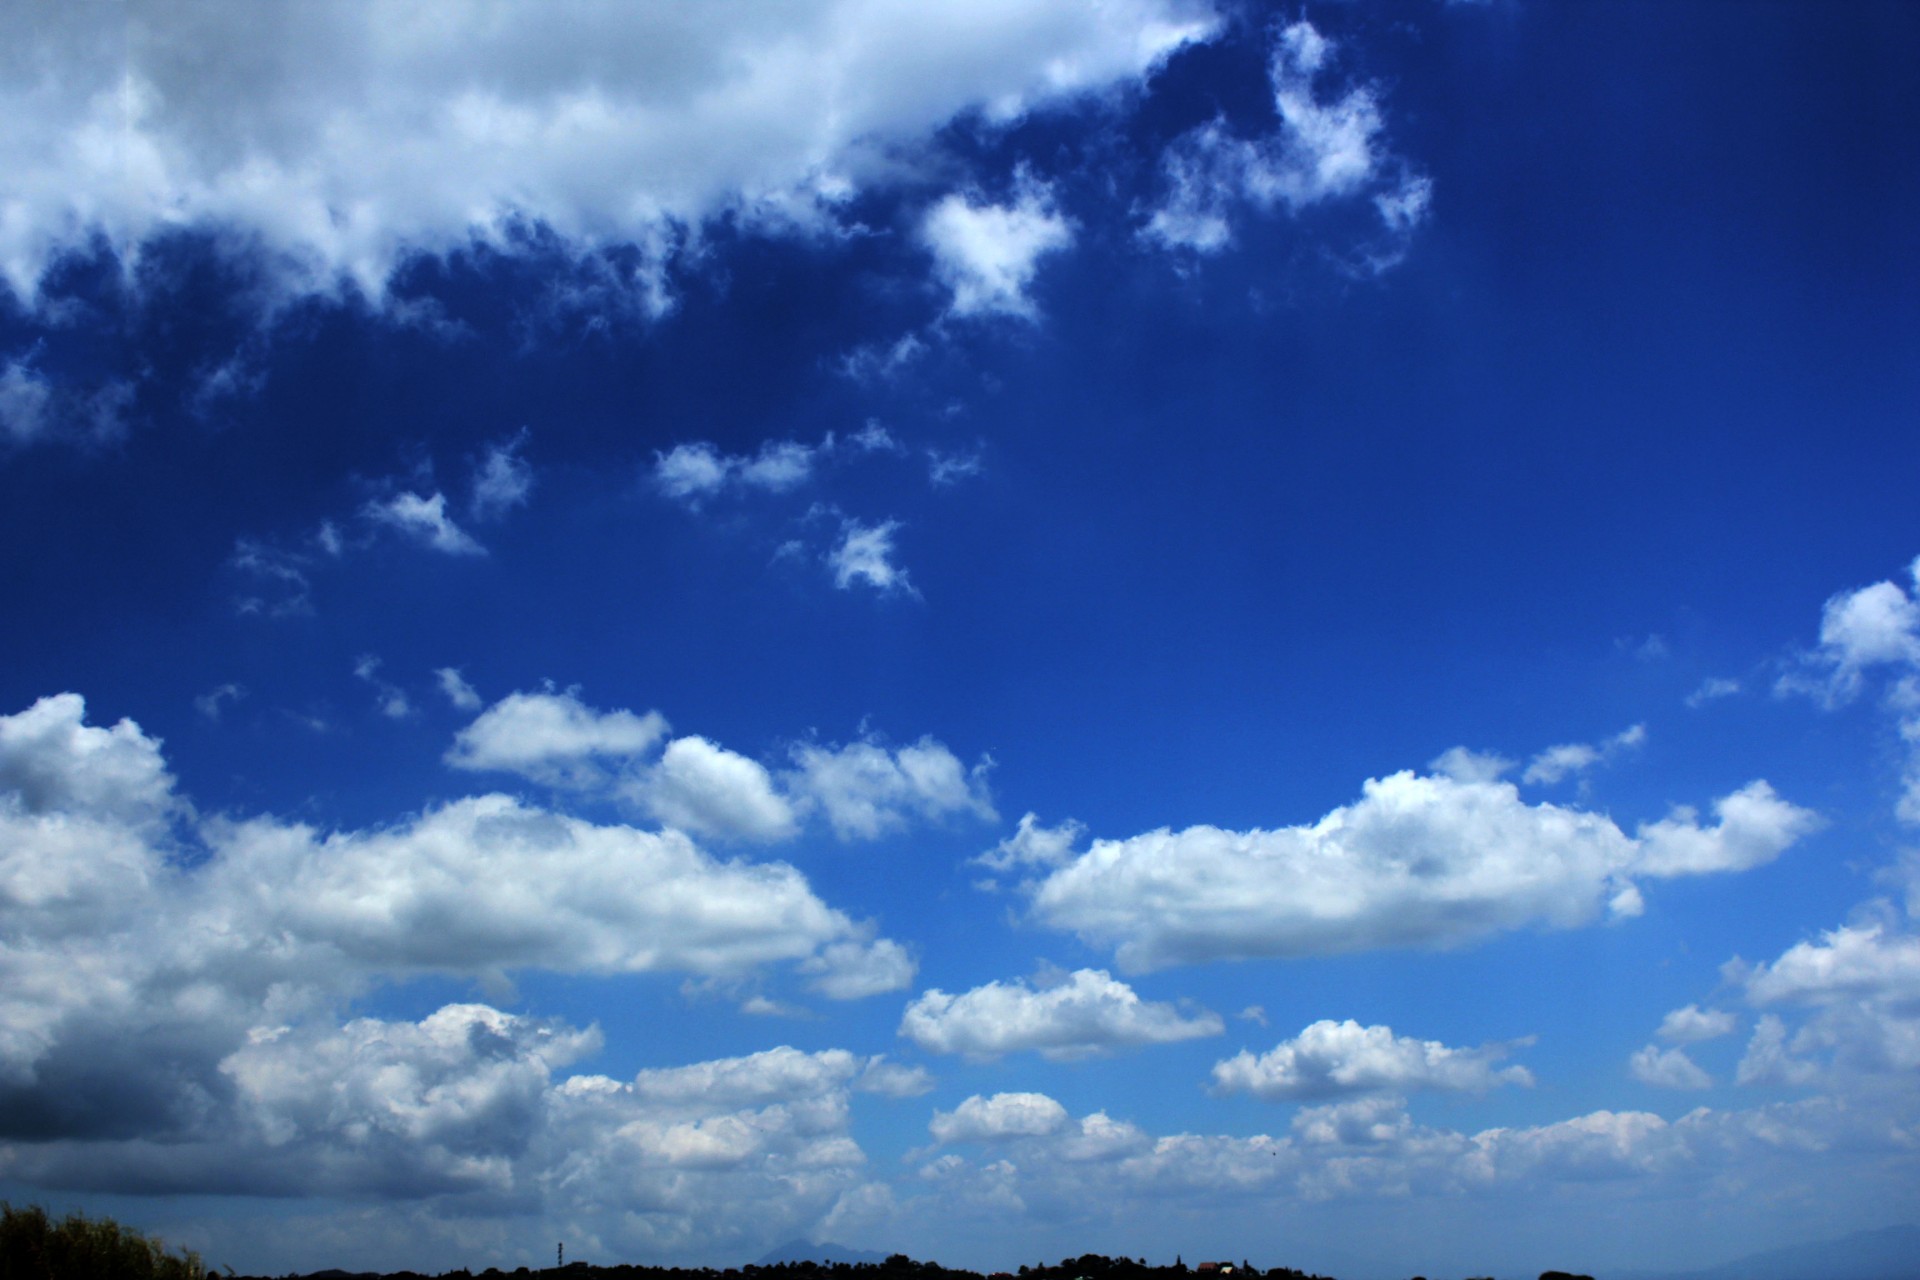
554 738
1557 762
25 403
425 521
502 479
211 703
388 697
1693 1025
865 554
130 973
867 791
945 469
894 1079
1712 689
854 970
987 254
344 138
700 787
458 691
1855 992
1323 148
1667 1069
1032 845
1329 1059
1875 626
1852 962
35 408
1417 861
1861 631
1004 1115
696 470
447 1102
52 761
1086 1012
487 884
1770 1060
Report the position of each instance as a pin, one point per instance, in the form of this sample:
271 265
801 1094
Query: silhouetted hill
1892 1253
801 1251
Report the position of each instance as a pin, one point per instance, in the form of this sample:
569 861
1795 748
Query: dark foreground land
1090 1266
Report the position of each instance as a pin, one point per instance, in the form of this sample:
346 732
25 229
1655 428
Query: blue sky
995 630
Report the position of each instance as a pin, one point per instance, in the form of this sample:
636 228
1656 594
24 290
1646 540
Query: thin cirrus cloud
1075 1016
372 134
1418 861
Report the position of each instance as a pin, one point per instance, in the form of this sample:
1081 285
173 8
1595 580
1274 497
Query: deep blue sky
1180 423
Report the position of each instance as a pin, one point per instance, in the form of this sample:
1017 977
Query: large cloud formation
1418 861
143 947
341 138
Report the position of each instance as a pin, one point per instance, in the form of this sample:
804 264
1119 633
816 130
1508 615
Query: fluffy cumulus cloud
863 789
472 1105
1004 1115
1692 1024
1078 1014
1329 1059
1667 1069
141 954
867 790
1853 995
1324 147
704 788
1417 861
343 138
987 254
553 738
1868 632
53 762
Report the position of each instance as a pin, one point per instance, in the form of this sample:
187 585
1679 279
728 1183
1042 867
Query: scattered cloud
864 554
1418 861
554 739
1693 1025
988 254
423 520
1004 1115
1863 631
1332 1059
388 697
458 691
1071 1016
36 409
1556 763
1323 148
706 789
693 471
211 703
502 479
1034 846
867 790
1712 689
1667 1069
